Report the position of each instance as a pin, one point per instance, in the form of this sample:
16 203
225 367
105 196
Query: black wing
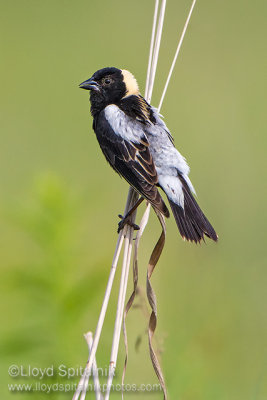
130 159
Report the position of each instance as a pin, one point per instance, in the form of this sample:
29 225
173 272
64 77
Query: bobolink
138 146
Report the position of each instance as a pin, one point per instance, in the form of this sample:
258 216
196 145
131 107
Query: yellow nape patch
130 83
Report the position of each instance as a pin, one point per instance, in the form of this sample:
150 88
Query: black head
109 86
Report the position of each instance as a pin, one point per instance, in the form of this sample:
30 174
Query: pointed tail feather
191 221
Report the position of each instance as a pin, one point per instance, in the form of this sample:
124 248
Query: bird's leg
127 219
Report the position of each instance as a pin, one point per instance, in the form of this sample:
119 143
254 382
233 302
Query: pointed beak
90 84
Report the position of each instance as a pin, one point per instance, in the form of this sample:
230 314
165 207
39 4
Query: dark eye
107 81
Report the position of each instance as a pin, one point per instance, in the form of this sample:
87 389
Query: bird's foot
126 221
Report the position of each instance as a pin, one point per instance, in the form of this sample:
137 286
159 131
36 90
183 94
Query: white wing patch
168 161
122 125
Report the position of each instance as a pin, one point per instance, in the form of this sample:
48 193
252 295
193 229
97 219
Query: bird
140 148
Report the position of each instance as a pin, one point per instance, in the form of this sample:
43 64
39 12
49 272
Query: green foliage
52 294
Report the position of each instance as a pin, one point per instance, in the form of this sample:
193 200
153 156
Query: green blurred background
59 199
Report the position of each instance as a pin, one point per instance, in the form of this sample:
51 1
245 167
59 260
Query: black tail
191 221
